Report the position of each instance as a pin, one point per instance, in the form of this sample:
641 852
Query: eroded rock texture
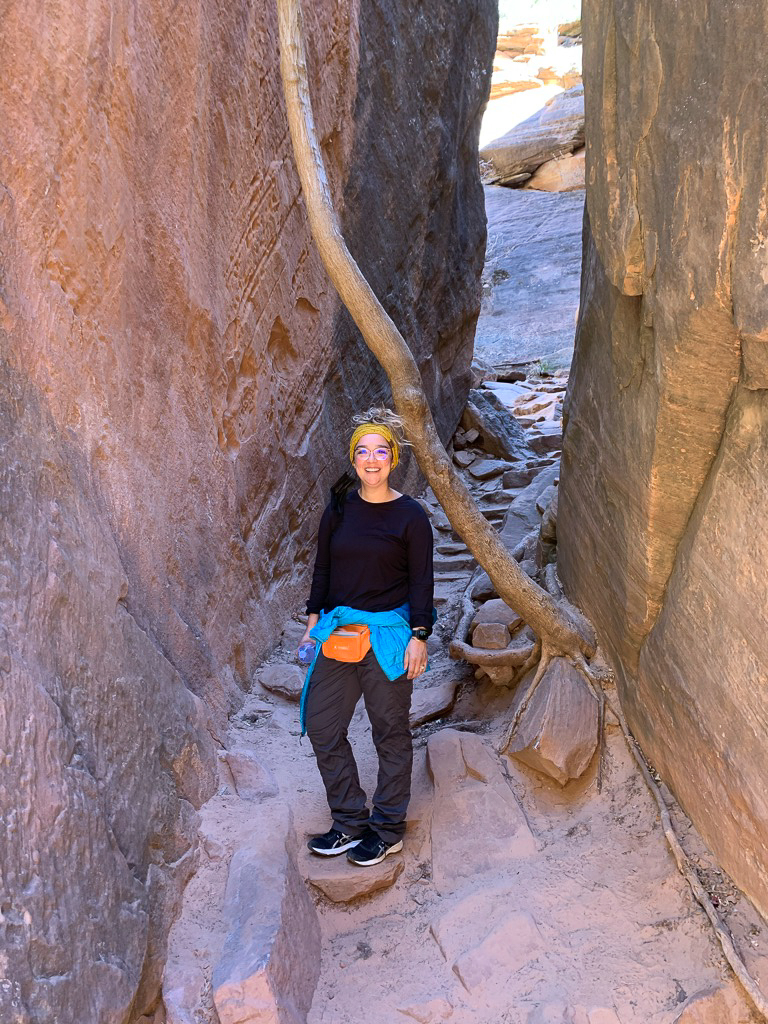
665 462
175 373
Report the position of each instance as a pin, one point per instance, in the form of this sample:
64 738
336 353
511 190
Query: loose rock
502 434
491 635
519 476
557 734
497 611
487 469
464 458
252 779
285 680
432 702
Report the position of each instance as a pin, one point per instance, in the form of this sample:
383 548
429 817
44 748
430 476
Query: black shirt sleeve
321 577
420 573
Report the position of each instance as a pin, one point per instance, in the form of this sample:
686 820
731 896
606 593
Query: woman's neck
375 496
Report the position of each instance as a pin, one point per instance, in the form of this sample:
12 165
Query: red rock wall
665 448
175 371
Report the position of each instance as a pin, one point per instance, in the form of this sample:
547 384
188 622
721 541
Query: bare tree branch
565 632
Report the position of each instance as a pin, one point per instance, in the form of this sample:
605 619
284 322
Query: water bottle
306 652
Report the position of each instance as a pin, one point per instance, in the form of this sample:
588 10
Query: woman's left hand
415 663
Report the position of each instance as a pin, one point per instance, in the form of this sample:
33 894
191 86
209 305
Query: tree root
688 872
509 656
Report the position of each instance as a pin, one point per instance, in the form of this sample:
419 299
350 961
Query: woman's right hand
311 623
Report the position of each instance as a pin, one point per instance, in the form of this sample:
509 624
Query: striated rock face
665 460
175 375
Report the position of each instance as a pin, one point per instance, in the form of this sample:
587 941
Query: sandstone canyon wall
175 371
665 460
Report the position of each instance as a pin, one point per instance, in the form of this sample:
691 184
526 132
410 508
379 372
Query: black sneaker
372 849
332 843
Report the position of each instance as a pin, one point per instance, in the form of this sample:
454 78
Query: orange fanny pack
348 643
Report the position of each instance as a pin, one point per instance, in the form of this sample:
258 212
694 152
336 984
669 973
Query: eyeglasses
380 454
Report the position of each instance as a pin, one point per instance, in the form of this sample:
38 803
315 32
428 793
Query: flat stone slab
472 799
531 276
484 939
343 882
432 702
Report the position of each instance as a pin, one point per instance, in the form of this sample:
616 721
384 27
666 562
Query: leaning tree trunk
561 630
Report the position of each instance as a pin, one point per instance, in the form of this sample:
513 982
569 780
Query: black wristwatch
421 633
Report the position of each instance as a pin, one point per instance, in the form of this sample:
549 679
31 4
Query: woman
373 568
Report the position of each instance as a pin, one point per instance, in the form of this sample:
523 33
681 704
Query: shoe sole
335 851
377 860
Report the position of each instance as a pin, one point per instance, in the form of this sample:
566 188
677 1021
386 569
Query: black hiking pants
334 690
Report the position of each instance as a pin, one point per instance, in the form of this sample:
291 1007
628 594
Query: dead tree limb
565 631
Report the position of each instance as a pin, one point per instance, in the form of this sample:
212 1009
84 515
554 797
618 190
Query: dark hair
339 491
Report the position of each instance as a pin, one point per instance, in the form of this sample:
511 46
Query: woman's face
373 472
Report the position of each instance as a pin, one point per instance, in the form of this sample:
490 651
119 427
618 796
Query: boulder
564 174
252 779
555 130
343 882
497 610
472 798
548 531
491 636
487 469
483 589
431 702
270 963
285 680
518 476
481 372
500 432
557 734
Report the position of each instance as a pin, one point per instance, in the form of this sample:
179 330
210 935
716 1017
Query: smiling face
372 472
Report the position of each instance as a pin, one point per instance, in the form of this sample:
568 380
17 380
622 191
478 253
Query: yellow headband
374 428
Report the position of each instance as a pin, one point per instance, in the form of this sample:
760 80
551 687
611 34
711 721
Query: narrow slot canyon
563 209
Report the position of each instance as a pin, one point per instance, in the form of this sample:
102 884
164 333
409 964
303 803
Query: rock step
451 548
452 563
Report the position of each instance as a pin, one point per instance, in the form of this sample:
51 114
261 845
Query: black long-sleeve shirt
376 557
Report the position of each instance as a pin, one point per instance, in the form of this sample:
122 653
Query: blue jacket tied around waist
390 633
